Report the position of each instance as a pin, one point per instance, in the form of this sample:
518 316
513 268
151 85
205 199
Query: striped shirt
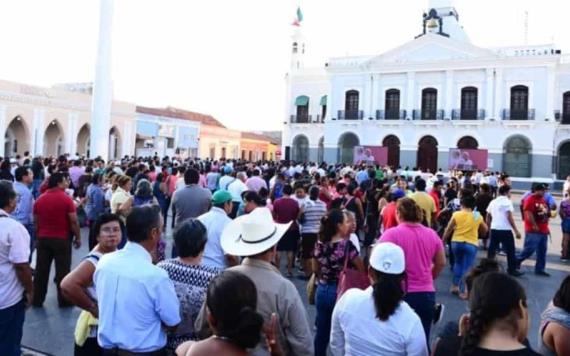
314 210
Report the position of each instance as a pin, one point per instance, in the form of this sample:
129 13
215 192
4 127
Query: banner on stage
468 159
371 155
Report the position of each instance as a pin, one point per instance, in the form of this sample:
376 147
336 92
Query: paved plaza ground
49 330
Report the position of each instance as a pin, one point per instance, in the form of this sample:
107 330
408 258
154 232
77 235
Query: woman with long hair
498 318
143 195
78 286
331 251
555 323
121 188
377 321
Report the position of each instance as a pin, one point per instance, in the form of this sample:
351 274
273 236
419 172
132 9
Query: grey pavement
49 330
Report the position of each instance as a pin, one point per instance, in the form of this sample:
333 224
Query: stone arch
346 143
427 154
54 139
16 137
83 140
321 150
517 156
467 143
563 160
300 152
392 142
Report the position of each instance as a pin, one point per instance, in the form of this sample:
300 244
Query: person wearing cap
536 214
377 321
255 236
215 221
388 213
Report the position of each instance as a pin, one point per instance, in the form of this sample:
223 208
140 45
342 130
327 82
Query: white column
38 132
489 95
550 93
102 89
3 129
499 99
368 95
411 94
125 149
448 94
376 95
69 135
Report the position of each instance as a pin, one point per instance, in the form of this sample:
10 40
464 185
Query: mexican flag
298 18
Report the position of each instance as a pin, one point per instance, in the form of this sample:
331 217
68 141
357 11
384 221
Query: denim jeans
506 240
325 299
465 254
11 329
423 304
534 241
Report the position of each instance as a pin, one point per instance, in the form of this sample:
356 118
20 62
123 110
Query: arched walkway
427 154
114 143
517 156
321 150
300 149
83 140
393 144
346 144
17 138
54 140
467 143
563 168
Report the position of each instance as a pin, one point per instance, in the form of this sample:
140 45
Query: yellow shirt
466 227
425 201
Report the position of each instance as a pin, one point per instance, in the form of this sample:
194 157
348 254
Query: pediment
432 48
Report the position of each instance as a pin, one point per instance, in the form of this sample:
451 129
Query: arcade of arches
16 137
300 149
346 144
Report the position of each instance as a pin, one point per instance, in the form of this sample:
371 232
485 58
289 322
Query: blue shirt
215 221
95 205
362 176
135 298
24 209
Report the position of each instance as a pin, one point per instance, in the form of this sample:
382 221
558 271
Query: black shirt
451 345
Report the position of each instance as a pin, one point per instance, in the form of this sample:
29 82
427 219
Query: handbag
311 289
350 278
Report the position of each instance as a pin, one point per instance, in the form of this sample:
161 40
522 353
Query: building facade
54 121
436 92
257 147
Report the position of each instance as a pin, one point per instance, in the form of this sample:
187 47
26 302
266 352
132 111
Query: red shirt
540 211
286 210
51 211
389 216
435 197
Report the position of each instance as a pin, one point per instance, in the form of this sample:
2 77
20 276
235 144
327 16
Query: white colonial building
436 92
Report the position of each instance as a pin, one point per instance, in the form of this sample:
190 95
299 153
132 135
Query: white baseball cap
387 257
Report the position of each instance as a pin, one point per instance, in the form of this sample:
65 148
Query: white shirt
180 183
215 221
135 299
235 188
498 208
225 181
14 248
357 331
354 239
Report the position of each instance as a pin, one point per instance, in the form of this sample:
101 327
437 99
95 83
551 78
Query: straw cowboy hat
252 234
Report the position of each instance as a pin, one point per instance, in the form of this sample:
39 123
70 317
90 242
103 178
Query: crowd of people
369 241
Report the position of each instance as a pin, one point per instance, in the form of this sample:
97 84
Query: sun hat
221 196
252 234
387 257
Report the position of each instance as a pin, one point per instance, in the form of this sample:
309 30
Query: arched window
351 105
564 160
427 154
519 102
302 103
16 137
393 144
53 139
429 104
392 104
566 108
467 143
301 149
346 145
469 103
517 157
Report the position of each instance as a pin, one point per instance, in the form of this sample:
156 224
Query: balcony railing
428 114
459 114
301 119
390 114
562 117
518 114
350 114
320 119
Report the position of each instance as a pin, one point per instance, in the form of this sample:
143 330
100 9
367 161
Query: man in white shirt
215 221
502 224
16 287
236 188
137 300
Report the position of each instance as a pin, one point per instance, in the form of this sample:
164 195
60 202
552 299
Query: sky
229 58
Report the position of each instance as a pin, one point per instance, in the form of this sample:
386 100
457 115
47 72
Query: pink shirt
420 245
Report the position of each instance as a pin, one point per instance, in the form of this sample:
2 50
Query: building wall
213 139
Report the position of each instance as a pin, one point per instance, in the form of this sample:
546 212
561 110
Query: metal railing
462 114
320 119
528 114
350 114
302 119
428 114
390 114
562 117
